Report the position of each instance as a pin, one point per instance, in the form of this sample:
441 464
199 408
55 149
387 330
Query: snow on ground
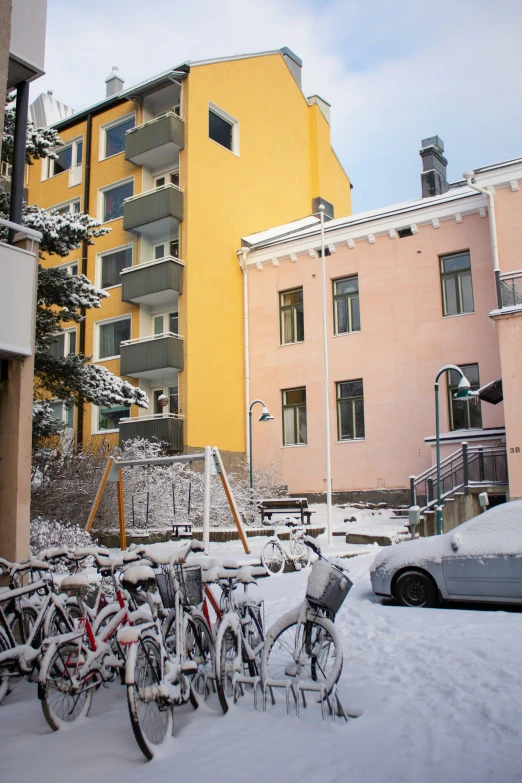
441 691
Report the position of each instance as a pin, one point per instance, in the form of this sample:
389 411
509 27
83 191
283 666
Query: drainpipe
18 171
469 176
85 245
242 263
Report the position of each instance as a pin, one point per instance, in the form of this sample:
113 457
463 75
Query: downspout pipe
85 246
242 256
469 176
18 171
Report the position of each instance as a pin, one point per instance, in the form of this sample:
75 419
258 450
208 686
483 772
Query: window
111 265
66 157
350 410
404 232
113 137
292 316
294 417
347 317
172 178
172 394
167 322
113 199
464 414
109 418
457 290
72 208
63 413
71 269
63 344
223 129
111 335
166 249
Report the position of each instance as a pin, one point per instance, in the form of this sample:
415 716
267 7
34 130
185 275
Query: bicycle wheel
228 661
301 554
66 697
304 652
255 636
22 624
152 720
199 648
57 621
99 626
4 678
273 557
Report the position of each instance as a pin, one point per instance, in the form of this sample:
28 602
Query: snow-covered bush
48 533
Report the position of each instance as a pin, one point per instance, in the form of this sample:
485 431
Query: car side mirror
455 542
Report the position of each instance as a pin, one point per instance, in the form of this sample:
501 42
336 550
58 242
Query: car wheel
416 588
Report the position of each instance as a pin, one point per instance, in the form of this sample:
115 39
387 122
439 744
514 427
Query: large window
350 410
294 417
464 414
347 315
63 413
111 335
63 344
109 418
457 289
115 137
111 265
223 128
113 199
172 178
292 316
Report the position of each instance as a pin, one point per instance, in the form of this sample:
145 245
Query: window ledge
103 432
236 154
104 222
109 157
346 334
106 359
350 440
458 315
109 287
294 445
285 345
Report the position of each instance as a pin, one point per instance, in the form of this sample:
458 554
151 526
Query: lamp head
464 383
265 415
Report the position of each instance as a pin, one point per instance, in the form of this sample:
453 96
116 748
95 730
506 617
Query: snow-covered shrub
49 533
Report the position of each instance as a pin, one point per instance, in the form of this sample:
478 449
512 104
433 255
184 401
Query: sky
394 72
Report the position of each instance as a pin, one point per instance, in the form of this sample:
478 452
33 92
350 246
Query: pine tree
61 298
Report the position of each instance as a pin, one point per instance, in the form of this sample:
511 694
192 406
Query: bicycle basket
190 583
327 586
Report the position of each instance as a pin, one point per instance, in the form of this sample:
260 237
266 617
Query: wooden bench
186 530
288 506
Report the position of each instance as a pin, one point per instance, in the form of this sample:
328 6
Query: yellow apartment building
180 167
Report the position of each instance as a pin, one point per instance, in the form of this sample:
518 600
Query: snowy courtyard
440 691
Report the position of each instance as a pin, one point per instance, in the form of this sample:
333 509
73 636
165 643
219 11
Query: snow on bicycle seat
287 522
138 577
80 581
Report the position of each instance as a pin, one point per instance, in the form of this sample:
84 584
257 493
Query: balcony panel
18 276
153 212
157 143
154 358
164 428
155 283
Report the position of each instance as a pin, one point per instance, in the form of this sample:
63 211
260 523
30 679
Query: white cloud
395 72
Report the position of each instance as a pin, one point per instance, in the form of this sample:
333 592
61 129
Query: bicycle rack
298 690
242 679
286 685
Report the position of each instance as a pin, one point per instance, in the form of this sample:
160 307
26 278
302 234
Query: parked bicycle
274 556
304 645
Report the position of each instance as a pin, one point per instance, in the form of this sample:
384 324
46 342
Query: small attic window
223 129
404 232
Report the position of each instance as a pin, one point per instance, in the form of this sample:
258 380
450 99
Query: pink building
410 288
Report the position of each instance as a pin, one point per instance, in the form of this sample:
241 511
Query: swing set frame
213 465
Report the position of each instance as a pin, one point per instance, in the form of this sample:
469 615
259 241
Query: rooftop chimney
433 177
114 82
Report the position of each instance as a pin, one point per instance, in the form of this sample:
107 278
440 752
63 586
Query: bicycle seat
138 577
75 582
287 523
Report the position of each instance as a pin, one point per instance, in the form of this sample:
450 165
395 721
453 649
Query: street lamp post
265 416
463 392
326 386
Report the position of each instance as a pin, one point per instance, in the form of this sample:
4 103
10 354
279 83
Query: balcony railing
156 143
165 427
153 283
511 288
153 211
154 356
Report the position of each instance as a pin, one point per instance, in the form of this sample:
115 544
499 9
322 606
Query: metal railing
152 190
152 417
154 262
463 469
511 288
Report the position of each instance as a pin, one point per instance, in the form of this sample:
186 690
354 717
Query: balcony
17 297
167 427
511 289
156 143
154 283
157 357
153 213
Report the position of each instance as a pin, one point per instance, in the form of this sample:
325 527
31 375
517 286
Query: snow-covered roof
476 433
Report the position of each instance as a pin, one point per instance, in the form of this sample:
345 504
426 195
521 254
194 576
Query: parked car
480 560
